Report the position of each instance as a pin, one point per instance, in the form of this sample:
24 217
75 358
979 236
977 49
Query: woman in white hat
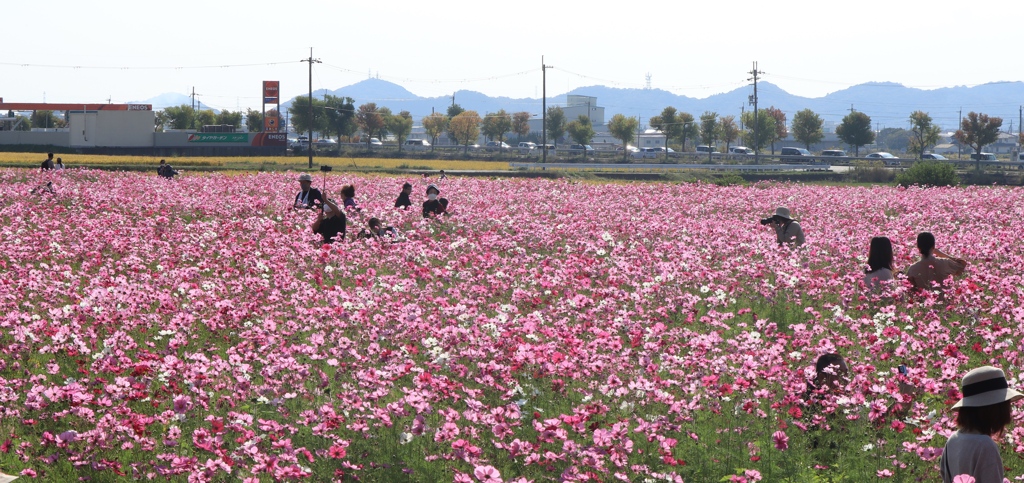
982 413
787 230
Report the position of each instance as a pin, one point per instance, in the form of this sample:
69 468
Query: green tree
253 120
22 124
382 133
521 124
435 125
229 118
180 117
555 124
465 128
453 110
781 132
668 123
855 130
729 130
299 112
893 139
765 129
977 131
624 129
581 131
400 125
709 127
807 128
45 119
206 117
340 117
922 132
496 125
370 120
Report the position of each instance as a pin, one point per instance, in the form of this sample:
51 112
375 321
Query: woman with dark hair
879 262
348 193
935 266
983 413
435 205
831 374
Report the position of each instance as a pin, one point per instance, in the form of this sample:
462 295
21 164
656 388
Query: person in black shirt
166 170
403 200
309 196
330 222
48 164
435 205
376 229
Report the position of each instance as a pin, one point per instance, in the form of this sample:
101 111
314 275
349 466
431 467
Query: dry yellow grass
251 162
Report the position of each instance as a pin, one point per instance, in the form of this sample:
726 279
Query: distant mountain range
888 104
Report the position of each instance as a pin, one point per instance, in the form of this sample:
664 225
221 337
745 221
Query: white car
527 147
417 144
644 153
375 142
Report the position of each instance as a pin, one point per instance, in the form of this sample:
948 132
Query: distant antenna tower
648 77
369 73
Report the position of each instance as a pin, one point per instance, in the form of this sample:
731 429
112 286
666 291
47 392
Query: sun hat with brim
305 177
783 213
986 386
433 187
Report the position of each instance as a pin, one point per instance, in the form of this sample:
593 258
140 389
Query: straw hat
783 213
986 386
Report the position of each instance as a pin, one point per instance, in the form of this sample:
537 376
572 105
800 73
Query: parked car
660 151
886 158
497 146
375 142
631 149
644 153
932 156
527 147
580 148
740 150
706 149
834 153
326 144
983 157
417 144
794 152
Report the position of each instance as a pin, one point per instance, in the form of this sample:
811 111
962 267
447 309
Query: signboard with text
227 137
271 92
270 123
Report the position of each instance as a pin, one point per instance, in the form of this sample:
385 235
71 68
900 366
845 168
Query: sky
123 51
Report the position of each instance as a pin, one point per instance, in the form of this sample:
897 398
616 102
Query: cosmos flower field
546 330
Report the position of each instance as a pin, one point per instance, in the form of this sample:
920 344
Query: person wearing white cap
982 413
308 196
787 230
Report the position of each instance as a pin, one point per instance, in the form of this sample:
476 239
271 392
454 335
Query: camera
768 221
902 369
326 169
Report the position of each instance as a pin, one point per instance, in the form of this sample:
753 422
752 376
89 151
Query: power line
98 67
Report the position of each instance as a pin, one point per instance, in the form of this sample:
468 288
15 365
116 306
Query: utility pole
757 141
852 110
544 110
309 148
958 127
742 111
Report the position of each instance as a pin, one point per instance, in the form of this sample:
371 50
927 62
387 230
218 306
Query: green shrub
871 172
929 173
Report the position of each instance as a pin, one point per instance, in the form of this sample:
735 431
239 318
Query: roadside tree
729 131
233 119
977 131
521 124
179 117
205 118
400 125
253 120
435 125
370 120
807 128
46 119
465 128
781 132
624 129
581 131
556 124
299 112
765 129
496 125
855 130
709 128
340 114
453 110
922 132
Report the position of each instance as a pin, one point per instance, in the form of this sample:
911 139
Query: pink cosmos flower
963 479
781 440
487 474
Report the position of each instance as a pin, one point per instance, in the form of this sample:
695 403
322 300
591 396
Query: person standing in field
935 266
982 414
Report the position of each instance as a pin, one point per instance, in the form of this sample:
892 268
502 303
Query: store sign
271 92
232 137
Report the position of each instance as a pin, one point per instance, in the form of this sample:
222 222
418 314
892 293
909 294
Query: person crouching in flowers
330 222
982 414
435 205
